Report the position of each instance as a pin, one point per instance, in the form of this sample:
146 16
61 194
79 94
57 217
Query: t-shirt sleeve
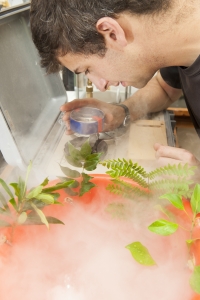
171 76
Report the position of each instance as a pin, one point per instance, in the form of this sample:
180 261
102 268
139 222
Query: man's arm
155 96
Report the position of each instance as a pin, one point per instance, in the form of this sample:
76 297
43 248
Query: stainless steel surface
29 99
2 163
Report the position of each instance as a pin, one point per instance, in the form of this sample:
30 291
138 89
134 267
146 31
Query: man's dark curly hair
63 26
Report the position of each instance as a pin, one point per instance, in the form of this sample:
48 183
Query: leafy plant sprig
85 159
173 178
167 227
25 207
176 180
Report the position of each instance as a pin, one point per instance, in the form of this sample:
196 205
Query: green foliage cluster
167 227
173 178
85 159
25 207
176 180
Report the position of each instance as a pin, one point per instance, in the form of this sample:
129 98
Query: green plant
167 227
85 159
173 178
25 207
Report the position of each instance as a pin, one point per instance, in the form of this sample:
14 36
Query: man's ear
113 33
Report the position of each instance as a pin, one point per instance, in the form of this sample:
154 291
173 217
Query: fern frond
178 170
123 164
179 183
128 174
186 194
124 168
175 185
125 189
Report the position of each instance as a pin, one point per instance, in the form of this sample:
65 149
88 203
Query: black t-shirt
187 79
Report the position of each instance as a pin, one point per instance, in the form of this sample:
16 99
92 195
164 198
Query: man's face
114 68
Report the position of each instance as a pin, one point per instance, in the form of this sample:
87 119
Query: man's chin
140 83
137 85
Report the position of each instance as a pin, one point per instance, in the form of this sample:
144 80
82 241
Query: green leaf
57 202
91 165
74 153
85 149
22 218
53 220
195 280
73 162
6 188
75 184
4 202
141 254
45 182
46 198
195 199
55 196
175 199
34 219
70 173
58 186
86 177
189 242
35 192
38 203
93 156
4 223
22 189
41 215
70 192
13 203
64 179
16 188
85 187
163 227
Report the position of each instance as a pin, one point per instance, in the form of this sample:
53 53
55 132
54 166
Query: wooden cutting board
143 135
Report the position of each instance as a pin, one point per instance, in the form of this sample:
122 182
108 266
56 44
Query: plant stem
12 232
191 219
148 183
184 228
192 228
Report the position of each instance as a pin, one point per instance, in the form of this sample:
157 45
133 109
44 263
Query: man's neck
181 41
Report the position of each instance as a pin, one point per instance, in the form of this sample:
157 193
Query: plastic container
87 120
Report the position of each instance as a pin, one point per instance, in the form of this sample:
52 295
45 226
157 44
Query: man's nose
100 83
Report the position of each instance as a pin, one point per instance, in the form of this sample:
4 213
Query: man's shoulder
171 76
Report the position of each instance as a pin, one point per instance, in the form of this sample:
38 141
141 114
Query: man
153 45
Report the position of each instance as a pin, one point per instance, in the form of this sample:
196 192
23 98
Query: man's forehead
69 61
77 62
